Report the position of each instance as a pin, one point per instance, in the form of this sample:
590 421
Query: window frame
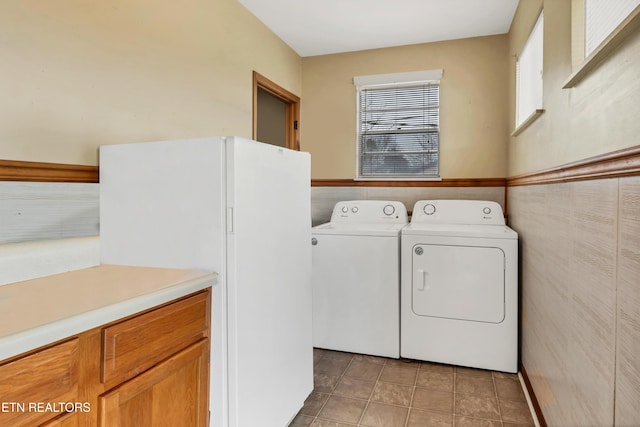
387 81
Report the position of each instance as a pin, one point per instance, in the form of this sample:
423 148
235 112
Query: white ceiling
318 27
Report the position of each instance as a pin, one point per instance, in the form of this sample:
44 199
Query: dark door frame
292 112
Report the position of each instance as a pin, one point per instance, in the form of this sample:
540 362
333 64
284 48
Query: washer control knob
345 209
354 209
429 209
486 210
389 210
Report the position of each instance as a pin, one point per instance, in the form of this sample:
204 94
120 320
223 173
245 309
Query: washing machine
459 287
356 278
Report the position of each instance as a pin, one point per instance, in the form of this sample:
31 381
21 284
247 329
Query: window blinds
602 17
529 74
398 130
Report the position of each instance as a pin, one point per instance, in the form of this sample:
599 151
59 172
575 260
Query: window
602 17
598 27
529 77
398 129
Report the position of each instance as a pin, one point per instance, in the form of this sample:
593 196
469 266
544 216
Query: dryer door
458 282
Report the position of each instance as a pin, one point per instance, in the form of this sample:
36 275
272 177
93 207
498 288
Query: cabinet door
174 393
47 376
135 345
64 420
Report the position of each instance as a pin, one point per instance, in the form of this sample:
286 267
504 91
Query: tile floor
355 390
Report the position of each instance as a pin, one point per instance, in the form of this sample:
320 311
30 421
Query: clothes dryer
356 278
459 288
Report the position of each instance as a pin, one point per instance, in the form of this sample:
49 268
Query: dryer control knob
345 209
354 209
486 210
388 210
429 209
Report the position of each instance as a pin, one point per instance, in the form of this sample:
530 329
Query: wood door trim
17 170
455 182
616 164
292 109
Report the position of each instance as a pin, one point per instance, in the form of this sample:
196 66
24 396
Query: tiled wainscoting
355 390
580 278
324 198
48 210
47 228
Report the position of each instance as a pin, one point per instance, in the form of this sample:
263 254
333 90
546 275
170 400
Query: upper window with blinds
398 133
599 28
602 17
529 76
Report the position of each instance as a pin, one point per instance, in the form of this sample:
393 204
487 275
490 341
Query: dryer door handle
423 276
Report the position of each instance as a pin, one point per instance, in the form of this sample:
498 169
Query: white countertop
40 311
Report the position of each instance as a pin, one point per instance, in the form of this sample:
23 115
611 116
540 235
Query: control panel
457 212
368 211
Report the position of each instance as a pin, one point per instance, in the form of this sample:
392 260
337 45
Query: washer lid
460 230
358 229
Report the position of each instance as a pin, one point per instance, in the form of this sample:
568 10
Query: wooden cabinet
69 419
173 394
149 369
163 356
49 375
134 345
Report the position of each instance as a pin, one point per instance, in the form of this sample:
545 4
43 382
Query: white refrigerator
242 209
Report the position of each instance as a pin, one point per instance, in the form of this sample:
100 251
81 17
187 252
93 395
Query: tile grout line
421 367
375 384
616 281
495 393
332 388
413 393
453 409
315 417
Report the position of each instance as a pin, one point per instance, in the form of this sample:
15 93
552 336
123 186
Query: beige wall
473 101
77 74
597 116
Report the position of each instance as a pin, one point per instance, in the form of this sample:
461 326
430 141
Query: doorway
276 114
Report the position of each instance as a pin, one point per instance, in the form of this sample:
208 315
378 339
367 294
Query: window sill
624 30
404 178
532 118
